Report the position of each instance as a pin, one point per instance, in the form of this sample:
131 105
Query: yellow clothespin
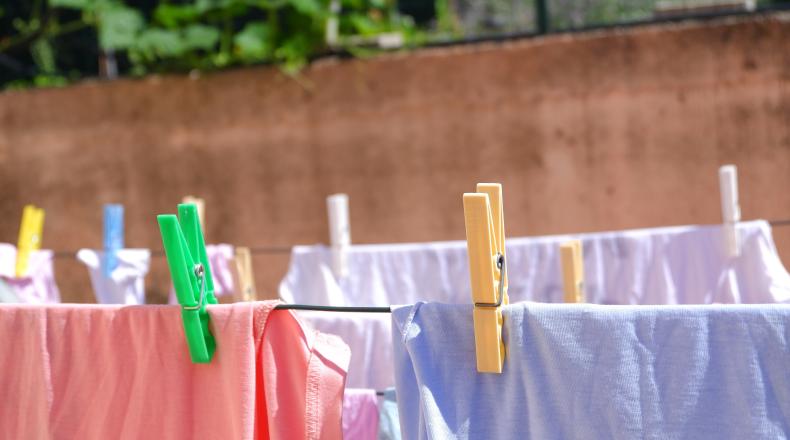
201 209
243 260
30 234
485 242
572 271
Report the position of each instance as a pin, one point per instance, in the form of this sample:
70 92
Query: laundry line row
482 358
274 250
31 229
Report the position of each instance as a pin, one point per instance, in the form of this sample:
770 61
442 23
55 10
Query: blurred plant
198 34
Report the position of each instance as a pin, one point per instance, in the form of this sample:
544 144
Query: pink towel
38 285
360 414
96 372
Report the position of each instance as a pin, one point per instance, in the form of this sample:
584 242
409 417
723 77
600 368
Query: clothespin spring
200 273
500 264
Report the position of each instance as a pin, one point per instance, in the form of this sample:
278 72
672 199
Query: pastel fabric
126 283
592 371
368 335
360 414
38 285
679 265
98 371
675 265
220 259
389 422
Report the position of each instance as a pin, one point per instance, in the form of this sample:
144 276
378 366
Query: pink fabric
302 406
360 414
220 259
114 372
38 285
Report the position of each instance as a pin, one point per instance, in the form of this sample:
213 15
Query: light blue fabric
597 372
389 422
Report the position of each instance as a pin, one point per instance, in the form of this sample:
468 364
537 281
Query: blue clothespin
113 237
185 250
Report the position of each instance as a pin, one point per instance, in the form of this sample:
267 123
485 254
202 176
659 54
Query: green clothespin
189 268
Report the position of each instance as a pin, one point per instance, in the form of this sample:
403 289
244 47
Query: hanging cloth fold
576 371
38 285
88 371
126 283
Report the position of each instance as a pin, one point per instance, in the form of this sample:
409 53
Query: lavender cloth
579 371
126 283
677 265
360 414
674 265
38 285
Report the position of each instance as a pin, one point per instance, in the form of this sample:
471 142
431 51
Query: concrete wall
597 131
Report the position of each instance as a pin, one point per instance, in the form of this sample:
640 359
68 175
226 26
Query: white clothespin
730 208
572 271
339 233
485 242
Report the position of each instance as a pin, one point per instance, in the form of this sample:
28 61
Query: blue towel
597 372
389 422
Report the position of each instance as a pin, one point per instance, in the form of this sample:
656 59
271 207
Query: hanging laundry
360 414
675 265
7 294
126 283
369 335
38 285
671 265
221 260
389 423
576 371
77 371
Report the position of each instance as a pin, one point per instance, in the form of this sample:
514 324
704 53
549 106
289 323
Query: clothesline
355 309
270 250
274 250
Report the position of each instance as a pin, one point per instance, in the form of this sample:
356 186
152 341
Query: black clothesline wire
354 309
275 250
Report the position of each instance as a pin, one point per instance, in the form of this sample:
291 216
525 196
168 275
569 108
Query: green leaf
364 25
73 4
119 26
160 43
43 55
293 53
198 36
309 7
254 43
172 15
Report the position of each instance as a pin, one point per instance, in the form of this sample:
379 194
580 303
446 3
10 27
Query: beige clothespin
572 271
30 235
243 260
730 207
485 242
201 209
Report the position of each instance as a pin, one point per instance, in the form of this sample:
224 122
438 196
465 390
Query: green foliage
254 42
203 34
118 26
